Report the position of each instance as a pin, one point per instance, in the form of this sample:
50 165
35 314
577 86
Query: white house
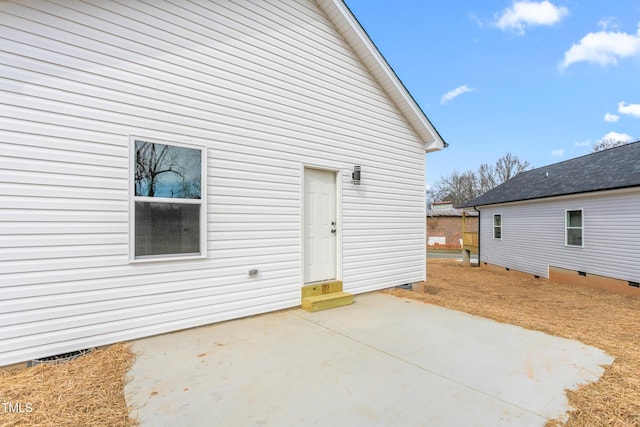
171 164
576 221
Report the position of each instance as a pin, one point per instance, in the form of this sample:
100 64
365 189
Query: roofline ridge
582 156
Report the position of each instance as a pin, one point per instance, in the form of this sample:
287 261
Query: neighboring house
445 225
166 165
576 221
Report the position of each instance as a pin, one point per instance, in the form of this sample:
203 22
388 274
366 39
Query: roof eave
551 196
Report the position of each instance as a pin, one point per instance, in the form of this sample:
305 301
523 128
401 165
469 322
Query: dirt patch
86 391
599 318
431 290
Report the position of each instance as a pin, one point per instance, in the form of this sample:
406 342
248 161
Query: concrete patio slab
383 361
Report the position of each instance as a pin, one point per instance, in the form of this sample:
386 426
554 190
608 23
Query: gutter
479 229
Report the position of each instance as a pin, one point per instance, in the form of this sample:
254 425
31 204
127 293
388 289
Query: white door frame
338 183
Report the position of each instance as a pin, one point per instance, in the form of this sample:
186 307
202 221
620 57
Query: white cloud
524 14
608 23
583 143
603 47
479 22
615 136
455 93
630 109
558 153
611 118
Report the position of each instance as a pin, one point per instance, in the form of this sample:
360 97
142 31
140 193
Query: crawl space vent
59 358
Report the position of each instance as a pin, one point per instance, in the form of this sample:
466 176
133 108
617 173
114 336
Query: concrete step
326 301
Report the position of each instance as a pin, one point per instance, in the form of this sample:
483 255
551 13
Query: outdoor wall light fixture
355 176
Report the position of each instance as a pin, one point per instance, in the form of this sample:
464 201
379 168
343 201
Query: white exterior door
320 225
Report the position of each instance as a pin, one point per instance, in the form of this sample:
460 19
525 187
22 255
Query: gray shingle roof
614 168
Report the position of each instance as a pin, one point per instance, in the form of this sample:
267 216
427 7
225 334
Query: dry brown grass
86 391
602 319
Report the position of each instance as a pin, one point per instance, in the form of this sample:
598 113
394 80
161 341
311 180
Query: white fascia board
347 24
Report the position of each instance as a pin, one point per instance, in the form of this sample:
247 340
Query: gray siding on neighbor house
266 86
533 235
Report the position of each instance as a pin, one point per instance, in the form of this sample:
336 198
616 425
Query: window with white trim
497 226
574 228
168 209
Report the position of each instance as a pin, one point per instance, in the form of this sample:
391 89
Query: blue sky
544 80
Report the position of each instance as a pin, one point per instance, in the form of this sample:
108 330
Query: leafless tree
155 161
509 166
608 143
456 188
459 187
487 178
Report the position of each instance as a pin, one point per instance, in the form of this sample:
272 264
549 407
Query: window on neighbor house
168 216
497 226
574 228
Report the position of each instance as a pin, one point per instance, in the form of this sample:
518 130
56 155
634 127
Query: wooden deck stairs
325 295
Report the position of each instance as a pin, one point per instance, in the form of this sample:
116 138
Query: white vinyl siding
537 235
266 87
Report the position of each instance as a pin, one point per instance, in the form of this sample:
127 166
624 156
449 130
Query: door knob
333 230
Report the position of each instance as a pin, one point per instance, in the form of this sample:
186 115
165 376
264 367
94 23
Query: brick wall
448 229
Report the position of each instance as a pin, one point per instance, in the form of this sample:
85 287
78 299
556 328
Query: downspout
479 228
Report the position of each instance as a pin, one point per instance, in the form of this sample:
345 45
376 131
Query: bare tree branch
154 161
509 166
460 187
608 143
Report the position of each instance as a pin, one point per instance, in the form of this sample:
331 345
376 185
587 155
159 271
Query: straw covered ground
89 391
605 320
86 391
